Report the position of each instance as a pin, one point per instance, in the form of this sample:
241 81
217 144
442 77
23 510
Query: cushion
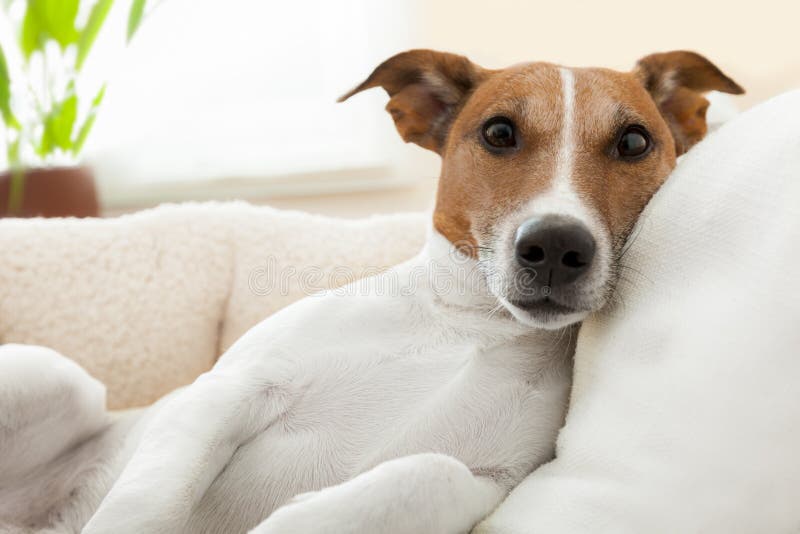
685 409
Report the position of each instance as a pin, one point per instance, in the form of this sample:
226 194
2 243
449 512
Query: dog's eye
634 143
498 132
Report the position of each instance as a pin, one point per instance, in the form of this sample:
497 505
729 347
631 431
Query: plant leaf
135 17
12 153
16 190
48 19
58 124
5 94
83 132
32 32
89 33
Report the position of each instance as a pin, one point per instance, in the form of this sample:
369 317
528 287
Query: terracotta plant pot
53 192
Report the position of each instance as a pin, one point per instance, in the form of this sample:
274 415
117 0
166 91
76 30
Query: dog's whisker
630 239
622 268
494 310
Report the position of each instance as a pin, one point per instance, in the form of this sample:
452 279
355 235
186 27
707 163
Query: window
243 92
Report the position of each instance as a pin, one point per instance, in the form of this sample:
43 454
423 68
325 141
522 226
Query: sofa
148 301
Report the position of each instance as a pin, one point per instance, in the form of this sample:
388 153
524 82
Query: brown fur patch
477 187
605 103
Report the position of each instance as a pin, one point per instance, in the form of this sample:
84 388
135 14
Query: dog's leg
53 437
48 404
413 494
187 444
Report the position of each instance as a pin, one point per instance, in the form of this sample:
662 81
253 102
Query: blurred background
236 99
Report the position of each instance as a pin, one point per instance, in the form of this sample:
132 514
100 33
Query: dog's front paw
408 495
300 497
306 513
48 404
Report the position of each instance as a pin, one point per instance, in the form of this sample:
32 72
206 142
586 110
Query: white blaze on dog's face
545 169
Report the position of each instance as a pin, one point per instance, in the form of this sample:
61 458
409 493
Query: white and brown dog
409 410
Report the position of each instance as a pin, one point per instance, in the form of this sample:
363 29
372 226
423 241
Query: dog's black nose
558 248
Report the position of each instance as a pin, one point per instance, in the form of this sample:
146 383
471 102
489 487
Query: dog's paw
300 497
306 513
48 403
407 495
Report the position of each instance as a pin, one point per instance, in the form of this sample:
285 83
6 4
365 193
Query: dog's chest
358 411
391 377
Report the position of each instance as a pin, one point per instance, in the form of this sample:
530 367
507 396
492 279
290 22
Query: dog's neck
458 284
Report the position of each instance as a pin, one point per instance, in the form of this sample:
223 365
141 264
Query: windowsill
117 197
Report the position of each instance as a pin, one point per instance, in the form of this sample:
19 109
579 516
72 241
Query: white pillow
685 412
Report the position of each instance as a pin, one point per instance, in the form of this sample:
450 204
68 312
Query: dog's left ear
676 81
427 88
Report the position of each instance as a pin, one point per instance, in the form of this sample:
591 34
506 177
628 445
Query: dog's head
545 169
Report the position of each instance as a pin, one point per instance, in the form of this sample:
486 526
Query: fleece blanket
146 302
685 409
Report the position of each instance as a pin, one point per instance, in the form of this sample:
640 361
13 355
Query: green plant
41 120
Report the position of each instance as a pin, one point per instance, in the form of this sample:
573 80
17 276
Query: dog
409 410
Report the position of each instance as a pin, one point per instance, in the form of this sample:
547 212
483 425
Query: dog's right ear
426 88
676 81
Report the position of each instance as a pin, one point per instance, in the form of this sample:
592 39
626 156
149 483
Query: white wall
756 42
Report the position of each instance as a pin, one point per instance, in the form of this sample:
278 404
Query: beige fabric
146 302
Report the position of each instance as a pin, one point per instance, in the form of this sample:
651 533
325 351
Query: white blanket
685 414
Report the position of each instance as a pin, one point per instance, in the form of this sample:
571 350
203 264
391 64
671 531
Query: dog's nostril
533 254
573 259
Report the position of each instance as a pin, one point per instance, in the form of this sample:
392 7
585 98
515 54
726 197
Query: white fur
360 381
562 181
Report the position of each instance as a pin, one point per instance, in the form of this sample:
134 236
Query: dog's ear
427 88
676 81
